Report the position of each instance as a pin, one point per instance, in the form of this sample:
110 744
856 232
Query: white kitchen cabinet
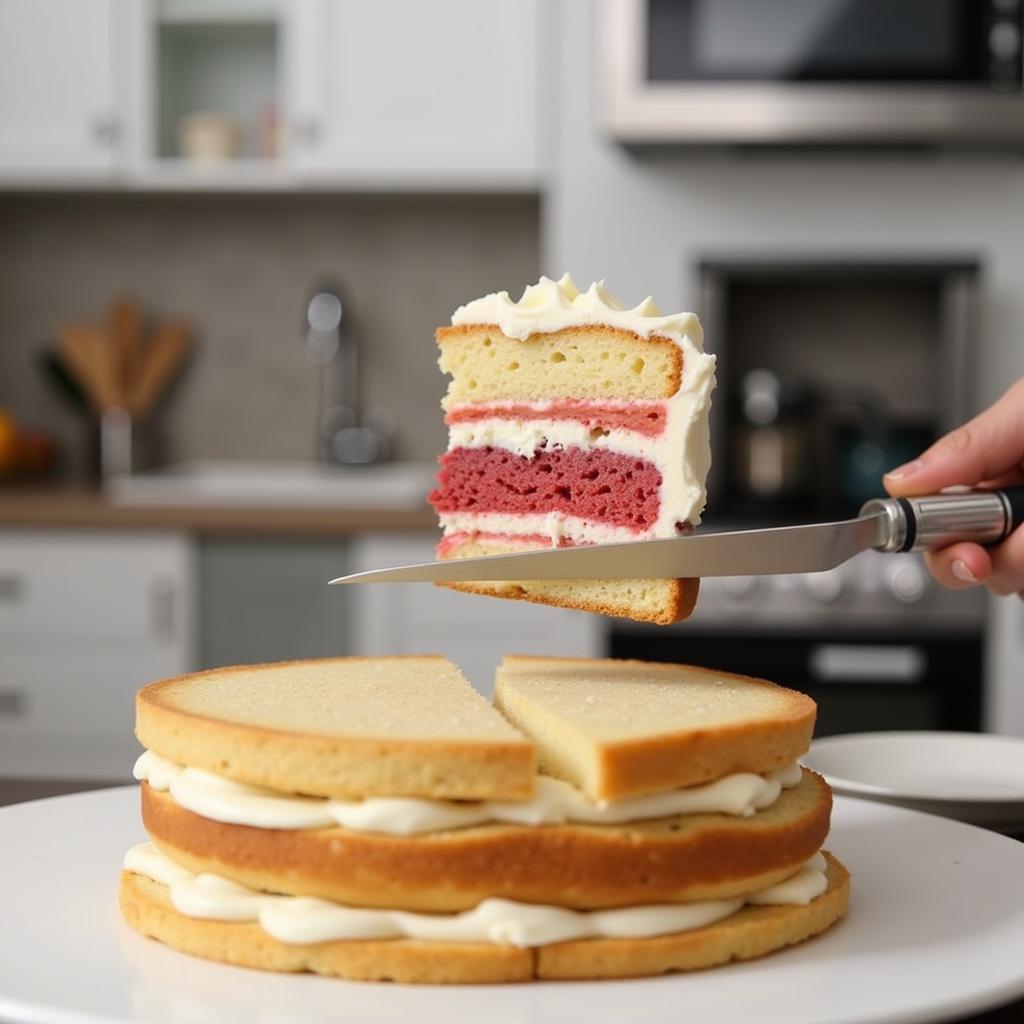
86 619
371 94
59 90
265 599
474 631
400 93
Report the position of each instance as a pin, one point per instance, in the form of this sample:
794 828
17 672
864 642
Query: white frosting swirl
298 920
554 305
554 802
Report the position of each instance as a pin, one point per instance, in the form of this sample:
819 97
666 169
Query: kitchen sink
277 484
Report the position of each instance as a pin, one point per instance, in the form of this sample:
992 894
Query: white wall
642 222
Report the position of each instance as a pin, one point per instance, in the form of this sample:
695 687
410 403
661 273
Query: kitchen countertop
79 507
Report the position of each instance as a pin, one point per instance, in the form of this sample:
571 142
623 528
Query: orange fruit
10 447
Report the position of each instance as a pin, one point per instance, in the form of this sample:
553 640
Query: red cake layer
598 485
641 417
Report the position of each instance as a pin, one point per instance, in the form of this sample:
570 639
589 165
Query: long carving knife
884 524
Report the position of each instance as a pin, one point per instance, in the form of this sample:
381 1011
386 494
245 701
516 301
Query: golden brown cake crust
326 765
652 763
147 907
683 858
660 602
678 602
752 932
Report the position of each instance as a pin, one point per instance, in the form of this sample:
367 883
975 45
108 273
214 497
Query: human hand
987 451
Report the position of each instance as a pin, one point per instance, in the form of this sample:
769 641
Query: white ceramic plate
969 776
935 931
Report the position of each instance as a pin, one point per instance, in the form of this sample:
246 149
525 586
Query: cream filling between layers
298 920
553 525
682 455
555 802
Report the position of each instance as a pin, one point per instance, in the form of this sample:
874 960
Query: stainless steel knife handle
934 521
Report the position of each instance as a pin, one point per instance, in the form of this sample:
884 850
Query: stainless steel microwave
776 72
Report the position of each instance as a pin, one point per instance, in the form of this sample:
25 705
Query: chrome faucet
344 434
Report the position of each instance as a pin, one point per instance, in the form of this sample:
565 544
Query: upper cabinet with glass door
270 94
211 101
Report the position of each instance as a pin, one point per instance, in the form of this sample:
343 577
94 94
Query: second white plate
973 777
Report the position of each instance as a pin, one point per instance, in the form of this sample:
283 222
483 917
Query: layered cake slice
573 420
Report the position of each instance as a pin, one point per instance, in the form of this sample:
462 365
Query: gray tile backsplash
240 268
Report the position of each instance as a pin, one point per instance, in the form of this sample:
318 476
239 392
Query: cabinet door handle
162 609
106 131
306 131
867 663
12 587
13 703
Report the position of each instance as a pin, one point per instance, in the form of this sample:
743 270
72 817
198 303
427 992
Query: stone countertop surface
79 507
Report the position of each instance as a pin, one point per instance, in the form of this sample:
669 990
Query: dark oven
863 680
829 373
875 642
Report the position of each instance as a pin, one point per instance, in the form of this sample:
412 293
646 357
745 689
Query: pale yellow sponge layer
345 727
623 728
597 362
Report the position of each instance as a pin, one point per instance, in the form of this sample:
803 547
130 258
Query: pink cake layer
598 485
641 417
528 541
449 544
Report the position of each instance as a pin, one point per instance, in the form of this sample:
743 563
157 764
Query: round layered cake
378 819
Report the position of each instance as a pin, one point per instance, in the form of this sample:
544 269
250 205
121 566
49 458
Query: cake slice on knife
573 420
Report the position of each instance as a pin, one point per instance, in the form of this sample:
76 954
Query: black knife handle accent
1014 497
938 520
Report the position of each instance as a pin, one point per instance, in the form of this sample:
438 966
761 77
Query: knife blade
893 524
737 553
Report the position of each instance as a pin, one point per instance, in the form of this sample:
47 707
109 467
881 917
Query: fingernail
907 469
962 571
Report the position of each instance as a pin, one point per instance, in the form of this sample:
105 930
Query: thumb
987 447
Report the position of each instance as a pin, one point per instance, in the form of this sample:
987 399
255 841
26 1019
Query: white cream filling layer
682 454
552 525
524 437
554 803
298 920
